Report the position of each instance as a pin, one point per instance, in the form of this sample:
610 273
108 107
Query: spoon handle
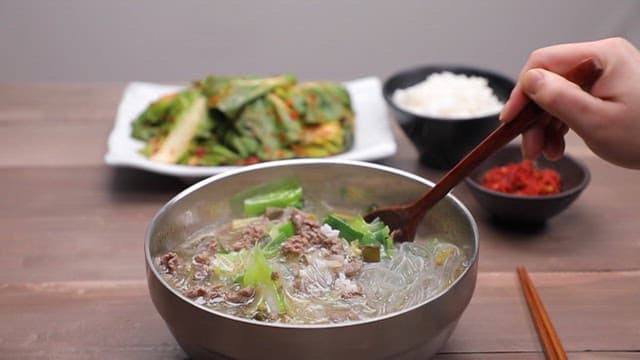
584 74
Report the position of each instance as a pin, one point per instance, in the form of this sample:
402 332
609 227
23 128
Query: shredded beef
169 262
240 296
202 258
352 293
273 213
201 291
333 244
341 316
196 292
201 272
251 234
309 229
275 275
352 268
213 246
295 245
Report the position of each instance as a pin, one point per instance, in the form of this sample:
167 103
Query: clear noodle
317 286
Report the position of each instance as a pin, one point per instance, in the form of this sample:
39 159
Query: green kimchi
222 120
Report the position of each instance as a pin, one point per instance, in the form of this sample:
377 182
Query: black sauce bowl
442 142
528 210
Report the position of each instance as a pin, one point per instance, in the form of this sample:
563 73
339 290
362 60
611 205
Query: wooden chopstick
548 337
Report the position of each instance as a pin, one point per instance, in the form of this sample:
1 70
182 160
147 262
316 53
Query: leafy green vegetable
241 91
258 120
151 123
357 229
213 153
256 205
279 234
321 140
325 102
171 124
243 145
290 128
228 266
347 232
259 275
246 120
258 197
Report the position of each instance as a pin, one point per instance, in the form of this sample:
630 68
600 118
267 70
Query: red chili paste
522 179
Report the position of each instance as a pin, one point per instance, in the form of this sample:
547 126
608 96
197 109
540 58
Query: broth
290 266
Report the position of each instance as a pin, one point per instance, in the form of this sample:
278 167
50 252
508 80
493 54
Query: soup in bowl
274 260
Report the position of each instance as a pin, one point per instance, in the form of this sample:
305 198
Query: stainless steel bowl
417 332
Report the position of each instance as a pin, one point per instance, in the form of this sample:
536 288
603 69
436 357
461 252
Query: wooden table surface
73 282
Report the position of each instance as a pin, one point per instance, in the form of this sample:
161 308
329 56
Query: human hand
607 118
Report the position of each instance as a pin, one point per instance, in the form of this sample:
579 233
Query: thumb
562 99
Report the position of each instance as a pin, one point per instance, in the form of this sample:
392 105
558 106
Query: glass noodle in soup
293 260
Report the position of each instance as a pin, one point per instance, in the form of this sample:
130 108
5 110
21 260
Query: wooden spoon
403 219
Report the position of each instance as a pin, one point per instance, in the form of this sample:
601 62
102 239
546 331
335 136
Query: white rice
449 95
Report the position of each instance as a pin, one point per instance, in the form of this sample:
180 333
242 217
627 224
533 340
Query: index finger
558 59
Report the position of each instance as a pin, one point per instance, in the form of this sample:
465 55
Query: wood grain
51 125
117 317
79 320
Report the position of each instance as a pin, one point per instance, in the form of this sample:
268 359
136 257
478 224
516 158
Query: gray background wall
155 40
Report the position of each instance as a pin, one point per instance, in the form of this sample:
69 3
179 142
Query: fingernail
532 80
502 116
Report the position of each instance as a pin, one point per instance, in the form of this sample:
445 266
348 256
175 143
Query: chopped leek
371 253
346 231
185 127
259 275
228 266
357 229
278 235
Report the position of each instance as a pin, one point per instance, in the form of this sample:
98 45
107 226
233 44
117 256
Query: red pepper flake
294 115
213 100
298 151
253 159
167 97
522 179
199 152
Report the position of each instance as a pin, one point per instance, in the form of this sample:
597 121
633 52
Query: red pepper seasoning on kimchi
522 178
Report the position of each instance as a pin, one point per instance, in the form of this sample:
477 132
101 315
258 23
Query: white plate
373 136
